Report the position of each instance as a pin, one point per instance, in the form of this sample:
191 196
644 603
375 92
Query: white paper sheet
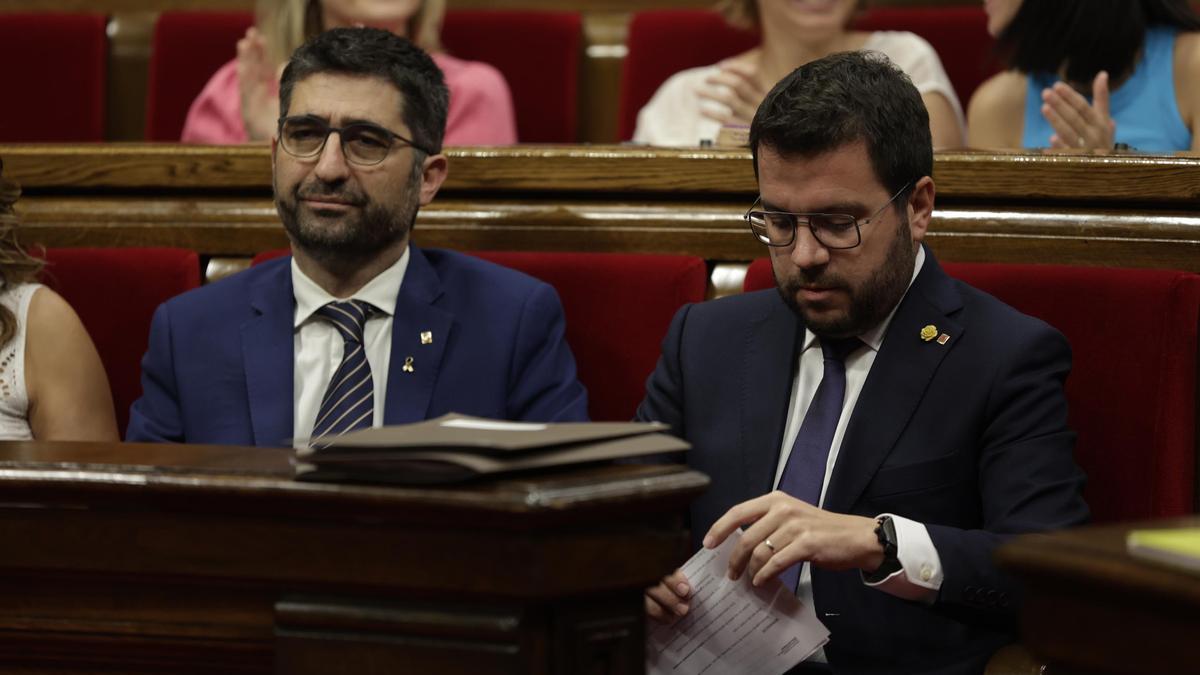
731 626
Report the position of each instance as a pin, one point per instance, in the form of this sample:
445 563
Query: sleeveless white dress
14 398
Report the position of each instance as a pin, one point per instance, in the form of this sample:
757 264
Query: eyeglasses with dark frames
363 143
832 230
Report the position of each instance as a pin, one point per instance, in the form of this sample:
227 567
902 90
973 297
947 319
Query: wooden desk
1090 607
204 559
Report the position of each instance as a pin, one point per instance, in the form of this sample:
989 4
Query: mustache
814 278
326 191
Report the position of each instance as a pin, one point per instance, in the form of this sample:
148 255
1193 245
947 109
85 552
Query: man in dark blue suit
357 328
877 427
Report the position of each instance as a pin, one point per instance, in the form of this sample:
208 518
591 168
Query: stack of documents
456 447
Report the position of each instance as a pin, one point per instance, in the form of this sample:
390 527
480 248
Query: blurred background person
1090 74
52 384
694 104
241 101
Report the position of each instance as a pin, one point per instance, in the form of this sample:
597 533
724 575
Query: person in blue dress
1090 74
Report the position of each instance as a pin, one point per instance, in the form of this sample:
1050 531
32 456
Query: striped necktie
349 401
804 473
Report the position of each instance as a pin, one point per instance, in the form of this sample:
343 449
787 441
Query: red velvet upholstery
55 71
618 308
115 292
1133 386
664 42
188 48
537 52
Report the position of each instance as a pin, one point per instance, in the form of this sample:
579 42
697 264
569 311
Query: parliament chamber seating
55 74
1133 385
189 46
664 42
115 292
617 307
538 52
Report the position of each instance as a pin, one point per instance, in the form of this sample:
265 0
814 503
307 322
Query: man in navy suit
357 328
877 427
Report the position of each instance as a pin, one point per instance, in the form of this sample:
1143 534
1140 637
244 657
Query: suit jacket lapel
902 370
768 368
267 356
409 393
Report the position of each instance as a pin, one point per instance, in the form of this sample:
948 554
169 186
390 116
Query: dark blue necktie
349 401
805 470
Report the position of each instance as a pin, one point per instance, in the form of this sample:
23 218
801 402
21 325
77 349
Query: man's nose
331 163
807 252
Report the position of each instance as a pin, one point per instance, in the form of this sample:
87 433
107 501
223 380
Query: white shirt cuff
920 573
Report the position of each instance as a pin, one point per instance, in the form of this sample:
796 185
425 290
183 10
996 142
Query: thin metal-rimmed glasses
363 143
832 230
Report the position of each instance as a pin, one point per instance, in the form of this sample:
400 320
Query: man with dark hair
876 426
356 328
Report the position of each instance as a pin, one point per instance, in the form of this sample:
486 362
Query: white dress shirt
920 575
318 345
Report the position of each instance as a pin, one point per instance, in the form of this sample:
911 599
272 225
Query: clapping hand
738 91
1077 124
257 86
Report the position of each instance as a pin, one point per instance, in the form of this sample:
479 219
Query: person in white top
694 104
52 384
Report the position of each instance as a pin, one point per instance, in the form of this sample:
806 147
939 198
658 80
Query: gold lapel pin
426 337
943 339
929 332
408 365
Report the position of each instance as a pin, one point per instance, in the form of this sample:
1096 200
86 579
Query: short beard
870 304
339 250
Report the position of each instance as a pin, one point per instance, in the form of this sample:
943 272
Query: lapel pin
929 332
943 339
408 365
426 337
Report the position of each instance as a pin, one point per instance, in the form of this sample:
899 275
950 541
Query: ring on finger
768 544
1082 142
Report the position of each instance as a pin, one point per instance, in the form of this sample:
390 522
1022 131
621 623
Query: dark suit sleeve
156 417
543 385
1028 480
664 387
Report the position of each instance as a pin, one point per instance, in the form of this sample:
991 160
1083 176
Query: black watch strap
885 531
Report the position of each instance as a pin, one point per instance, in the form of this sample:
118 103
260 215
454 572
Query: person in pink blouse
240 103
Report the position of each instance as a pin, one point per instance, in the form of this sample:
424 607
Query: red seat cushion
664 42
537 52
188 48
115 292
617 307
54 77
1132 389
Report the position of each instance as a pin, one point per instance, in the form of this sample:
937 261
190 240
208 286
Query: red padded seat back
115 292
1132 389
55 74
958 34
188 48
664 42
537 52
618 308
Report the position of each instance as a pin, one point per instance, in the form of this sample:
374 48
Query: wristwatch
885 531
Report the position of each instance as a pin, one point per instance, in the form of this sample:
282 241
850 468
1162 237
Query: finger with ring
768 544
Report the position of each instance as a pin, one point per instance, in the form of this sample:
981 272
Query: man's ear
920 208
433 174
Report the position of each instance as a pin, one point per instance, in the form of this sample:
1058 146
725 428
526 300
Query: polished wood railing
1103 210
